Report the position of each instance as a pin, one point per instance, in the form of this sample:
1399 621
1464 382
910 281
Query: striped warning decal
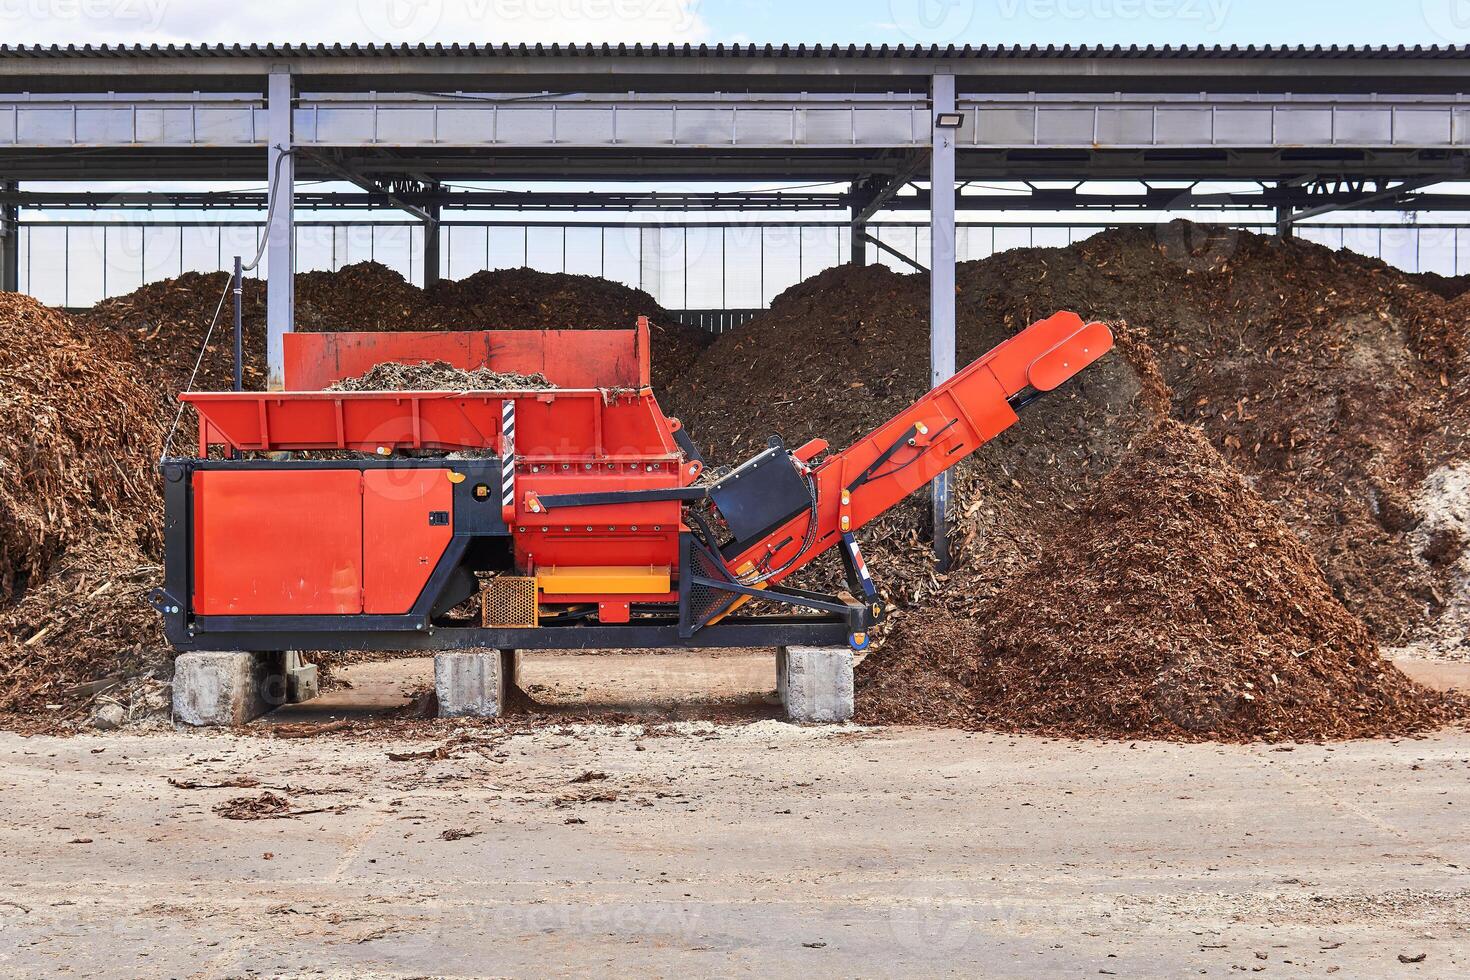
508 459
860 564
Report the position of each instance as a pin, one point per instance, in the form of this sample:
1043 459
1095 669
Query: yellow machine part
582 580
744 569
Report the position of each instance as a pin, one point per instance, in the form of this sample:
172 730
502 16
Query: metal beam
941 279
280 231
556 162
415 202
884 246
431 245
9 242
880 196
1382 196
1349 196
420 122
335 166
857 230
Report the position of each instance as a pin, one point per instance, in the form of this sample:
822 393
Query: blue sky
1096 21
793 21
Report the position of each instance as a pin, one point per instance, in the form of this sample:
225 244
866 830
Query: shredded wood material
1176 605
440 376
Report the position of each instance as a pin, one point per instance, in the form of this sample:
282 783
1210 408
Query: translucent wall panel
316 248
1051 237
1400 247
1437 250
544 249
200 250
129 263
162 254
1328 237
464 250
507 248
744 275
583 250
781 248
1009 238
821 248
621 256
705 281
84 281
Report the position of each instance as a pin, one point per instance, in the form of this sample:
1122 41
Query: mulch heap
167 320
1325 382
1177 605
525 299
1333 382
78 439
79 507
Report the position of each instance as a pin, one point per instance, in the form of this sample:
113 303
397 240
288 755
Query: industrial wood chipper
573 517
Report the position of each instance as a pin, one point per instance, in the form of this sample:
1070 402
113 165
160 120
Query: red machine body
346 512
599 430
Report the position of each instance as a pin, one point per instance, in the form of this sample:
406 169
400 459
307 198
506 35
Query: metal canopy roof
736 68
718 112
925 52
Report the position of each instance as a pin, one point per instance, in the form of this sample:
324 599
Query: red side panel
568 358
407 518
277 543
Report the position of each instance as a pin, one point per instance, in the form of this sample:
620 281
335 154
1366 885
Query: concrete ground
745 847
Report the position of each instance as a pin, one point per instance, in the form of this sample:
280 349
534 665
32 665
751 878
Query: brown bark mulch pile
1176 605
167 320
79 504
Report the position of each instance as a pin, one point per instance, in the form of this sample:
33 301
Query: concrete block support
302 682
474 685
815 683
227 687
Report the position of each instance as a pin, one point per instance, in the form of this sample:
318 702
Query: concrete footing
815 683
302 683
227 687
474 685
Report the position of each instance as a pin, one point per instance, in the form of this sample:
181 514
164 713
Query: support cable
214 320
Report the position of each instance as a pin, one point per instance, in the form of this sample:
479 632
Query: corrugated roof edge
733 51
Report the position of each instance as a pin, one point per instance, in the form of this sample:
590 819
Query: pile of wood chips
1176 605
79 505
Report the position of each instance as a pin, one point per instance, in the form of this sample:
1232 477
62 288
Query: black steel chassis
704 615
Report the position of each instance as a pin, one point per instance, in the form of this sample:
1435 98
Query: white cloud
347 21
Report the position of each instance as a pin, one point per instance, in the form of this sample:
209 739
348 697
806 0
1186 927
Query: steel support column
1283 217
941 279
858 229
280 232
431 244
9 241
